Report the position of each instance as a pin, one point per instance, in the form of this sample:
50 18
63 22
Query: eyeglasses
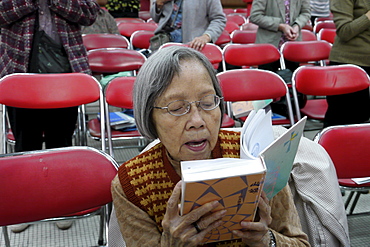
181 107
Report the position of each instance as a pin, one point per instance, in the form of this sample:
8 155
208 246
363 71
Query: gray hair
155 77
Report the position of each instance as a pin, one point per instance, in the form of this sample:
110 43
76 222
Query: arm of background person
13 10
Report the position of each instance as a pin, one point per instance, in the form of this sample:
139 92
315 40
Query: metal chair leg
6 236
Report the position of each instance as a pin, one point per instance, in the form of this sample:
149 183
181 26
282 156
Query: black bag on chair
159 39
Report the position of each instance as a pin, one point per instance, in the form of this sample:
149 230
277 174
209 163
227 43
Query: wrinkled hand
199 42
291 33
179 230
255 234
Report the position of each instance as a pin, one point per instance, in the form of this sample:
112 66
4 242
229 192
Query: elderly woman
178 100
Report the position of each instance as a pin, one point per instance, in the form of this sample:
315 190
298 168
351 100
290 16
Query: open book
265 164
120 120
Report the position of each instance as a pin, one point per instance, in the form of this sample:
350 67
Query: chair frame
79 176
347 145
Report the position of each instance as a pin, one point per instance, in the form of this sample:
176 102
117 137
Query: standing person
351 45
28 26
189 21
279 21
123 8
319 8
104 22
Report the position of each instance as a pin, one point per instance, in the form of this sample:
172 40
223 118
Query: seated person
147 190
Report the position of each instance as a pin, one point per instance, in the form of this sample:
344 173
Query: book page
279 158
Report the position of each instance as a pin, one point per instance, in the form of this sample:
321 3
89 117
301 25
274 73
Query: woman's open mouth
197 145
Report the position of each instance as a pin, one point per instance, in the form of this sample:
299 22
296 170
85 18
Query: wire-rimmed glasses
181 107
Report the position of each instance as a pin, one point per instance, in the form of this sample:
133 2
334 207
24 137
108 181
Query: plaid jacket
17 21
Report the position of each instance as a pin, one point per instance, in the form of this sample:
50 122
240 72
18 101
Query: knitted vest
148 179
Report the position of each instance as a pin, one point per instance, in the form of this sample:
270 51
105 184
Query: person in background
104 23
351 46
178 100
123 8
56 24
319 8
189 21
279 21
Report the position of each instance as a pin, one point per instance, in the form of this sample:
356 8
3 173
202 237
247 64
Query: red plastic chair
228 11
104 40
308 35
348 147
141 39
323 81
127 29
249 26
231 26
243 36
46 91
129 20
237 18
306 52
118 93
250 55
323 24
327 34
114 60
254 84
224 39
54 184
318 19
145 15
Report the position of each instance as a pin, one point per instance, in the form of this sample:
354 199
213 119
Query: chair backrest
249 54
128 28
104 40
118 92
129 20
48 90
211 51
237 18
253 84
308 35
231 26
249 26
323 24
223 39
348 147
52 183
114 60
306 51
328 80
145 15
141 39
243 36
327 34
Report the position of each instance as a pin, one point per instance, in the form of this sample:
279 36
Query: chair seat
315 109
94 130
227 122
350 183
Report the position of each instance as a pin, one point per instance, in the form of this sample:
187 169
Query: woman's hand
199 42
255 234
291 33
180 230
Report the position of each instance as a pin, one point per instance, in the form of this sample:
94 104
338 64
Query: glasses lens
178 108
209 102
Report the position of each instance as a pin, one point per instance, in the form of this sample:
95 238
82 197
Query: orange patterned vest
148 179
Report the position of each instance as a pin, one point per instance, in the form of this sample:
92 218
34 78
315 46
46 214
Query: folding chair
237 18
224 39
118 93
55 184
104 40
114 60
243 36
306 52
249 26
308 35
128 20
348 147
141 39
46 91
231 26
128 28
323 24
250 55
145 15
327 34
324 81
254 84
